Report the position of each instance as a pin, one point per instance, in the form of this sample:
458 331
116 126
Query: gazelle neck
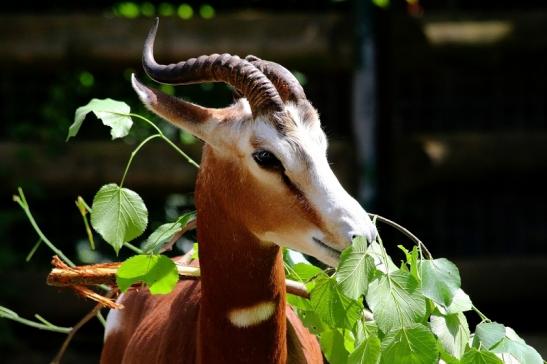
242 312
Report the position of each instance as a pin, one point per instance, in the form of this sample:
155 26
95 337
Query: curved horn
241 74
287 85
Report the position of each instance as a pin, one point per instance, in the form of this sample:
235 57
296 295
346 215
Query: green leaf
333 307
118 215
460 303
158 272
332 345
474 356
412 260
160 236
163 234
490 333
355 268
452 331
382 261
440 280
408 345
112 113
368 352
303 272
524 353
396 301
513 345
312 321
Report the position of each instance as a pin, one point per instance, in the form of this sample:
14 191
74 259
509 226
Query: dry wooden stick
90 275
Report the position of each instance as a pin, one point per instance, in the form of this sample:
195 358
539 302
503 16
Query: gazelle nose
370 234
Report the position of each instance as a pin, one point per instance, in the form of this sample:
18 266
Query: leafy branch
368 310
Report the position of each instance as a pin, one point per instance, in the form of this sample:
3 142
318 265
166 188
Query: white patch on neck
113 320
252 315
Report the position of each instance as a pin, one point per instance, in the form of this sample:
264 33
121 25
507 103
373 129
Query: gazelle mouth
331 250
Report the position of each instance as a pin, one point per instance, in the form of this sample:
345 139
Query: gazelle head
266 152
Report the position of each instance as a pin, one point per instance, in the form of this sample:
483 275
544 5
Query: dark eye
267 160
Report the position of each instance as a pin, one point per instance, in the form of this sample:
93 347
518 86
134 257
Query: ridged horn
287 85
239 73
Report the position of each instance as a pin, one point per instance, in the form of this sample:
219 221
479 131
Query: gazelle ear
193 118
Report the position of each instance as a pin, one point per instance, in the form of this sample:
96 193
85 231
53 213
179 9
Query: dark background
435 111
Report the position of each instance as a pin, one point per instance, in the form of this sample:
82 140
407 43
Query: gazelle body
264 182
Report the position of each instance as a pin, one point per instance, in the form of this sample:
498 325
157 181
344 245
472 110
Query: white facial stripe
252 315
113 320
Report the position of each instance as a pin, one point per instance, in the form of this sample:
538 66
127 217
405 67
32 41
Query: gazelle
264 183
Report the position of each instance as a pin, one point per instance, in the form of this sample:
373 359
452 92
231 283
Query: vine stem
22 201
167 140
481 315
403 230
43 325
134 153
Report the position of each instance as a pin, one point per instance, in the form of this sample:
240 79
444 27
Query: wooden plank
86 165
80 165
318 41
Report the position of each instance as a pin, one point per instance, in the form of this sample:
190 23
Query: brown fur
190 325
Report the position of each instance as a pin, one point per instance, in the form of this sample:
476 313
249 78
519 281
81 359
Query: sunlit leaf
474 356
118 215
158 272
396 301
409 345
368 352
332 306
332 345
440 280
112 113
489 333
452 331
355 268
303 272
163 234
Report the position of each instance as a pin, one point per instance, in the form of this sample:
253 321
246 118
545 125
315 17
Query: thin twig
405 231
77 327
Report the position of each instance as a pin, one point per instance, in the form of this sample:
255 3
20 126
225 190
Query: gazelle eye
267 160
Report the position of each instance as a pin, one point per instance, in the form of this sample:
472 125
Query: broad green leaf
160 236
368 352
460 303
396 301
452 331
332 345
312 321
355 268
414 344
333 307
303 272
489 333
112 113
514 346
382 261
158 272
440 280
474 356
524 353
163 234
298 302
118 215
